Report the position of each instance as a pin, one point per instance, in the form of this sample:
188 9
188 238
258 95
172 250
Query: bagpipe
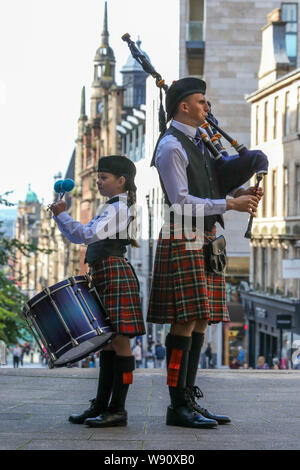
232 170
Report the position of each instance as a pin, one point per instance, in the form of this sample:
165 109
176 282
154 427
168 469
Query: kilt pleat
182 288
118 289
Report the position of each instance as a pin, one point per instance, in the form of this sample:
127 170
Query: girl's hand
58 207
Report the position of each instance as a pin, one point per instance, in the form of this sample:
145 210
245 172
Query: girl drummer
107 236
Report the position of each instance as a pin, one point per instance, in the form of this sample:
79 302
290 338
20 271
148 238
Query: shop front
272 324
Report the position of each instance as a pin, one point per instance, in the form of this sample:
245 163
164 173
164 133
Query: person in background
261 363
234 364
241 355
208 356
16 355
160 353
137 352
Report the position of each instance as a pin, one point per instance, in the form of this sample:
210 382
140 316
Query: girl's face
110 185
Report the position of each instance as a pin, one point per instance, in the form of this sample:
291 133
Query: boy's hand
250 192
243 203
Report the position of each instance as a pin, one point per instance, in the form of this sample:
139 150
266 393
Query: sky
47 50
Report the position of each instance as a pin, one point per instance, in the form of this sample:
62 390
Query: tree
13 326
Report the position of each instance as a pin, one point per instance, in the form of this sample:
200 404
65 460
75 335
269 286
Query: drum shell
74 300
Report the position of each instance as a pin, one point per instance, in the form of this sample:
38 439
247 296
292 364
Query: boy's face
195 108
109 185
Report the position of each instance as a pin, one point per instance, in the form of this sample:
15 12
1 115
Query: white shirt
112 219
171 161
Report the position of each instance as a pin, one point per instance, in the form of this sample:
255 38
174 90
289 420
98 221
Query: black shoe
91 412
107 419
185 416
196 393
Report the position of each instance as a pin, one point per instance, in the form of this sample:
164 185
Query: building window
195 26
266 121
285 192
298 109
289 13
297 189
256 124
274 193
287 114
276 117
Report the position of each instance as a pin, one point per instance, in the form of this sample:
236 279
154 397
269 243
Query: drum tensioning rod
98 329
73 340
35 325
90 322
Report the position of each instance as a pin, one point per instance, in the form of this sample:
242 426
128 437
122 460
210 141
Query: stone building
221 41
24 268
272 304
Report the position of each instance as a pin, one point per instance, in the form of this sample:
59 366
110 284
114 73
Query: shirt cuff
232 193
62 217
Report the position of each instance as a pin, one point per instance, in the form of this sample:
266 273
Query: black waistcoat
202 179
108 247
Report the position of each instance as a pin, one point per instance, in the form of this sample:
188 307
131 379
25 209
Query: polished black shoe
91 412
194 393
107 419
187 417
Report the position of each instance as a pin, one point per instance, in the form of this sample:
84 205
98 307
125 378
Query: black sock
177 361
123 368
105 382
194 357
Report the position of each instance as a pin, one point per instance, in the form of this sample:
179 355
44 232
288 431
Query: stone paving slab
35 405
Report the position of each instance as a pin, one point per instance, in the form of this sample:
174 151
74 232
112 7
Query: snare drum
69 320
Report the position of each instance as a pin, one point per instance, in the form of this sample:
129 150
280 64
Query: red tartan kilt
118 289
182 288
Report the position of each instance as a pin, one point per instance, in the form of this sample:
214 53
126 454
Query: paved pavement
35 404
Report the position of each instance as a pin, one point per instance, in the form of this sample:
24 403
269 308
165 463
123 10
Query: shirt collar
121 195
190 131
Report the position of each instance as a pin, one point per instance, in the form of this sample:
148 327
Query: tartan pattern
127 378
174 367
118 289
182 289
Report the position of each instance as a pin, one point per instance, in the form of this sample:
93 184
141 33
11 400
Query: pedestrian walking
160 354
17 352
137 352
208 356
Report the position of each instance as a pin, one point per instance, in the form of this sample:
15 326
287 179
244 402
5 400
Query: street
35 404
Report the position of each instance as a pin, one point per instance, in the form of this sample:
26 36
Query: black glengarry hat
118 165
180 89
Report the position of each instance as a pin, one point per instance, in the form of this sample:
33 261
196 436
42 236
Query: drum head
83 350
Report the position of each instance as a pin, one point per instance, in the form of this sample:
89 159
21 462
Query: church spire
105 33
